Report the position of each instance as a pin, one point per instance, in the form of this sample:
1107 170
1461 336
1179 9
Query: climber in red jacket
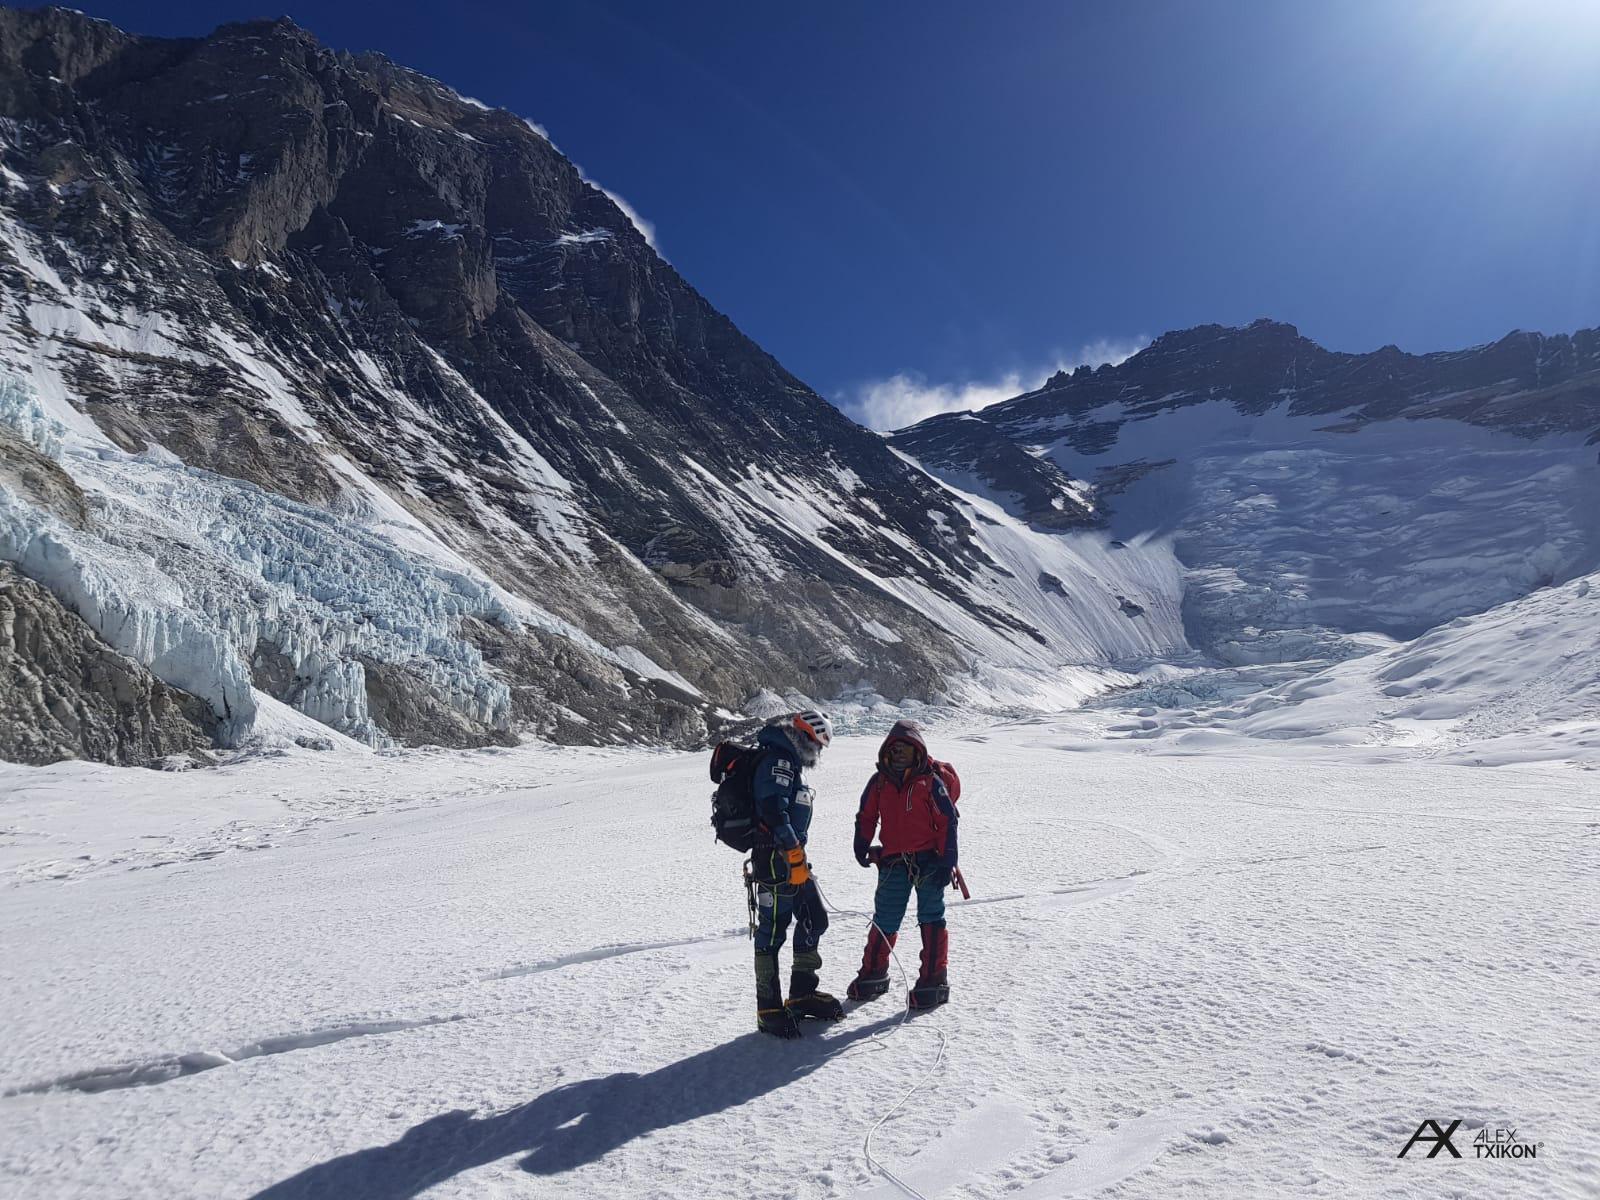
911 800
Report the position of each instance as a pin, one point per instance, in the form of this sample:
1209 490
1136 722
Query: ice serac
375 406
1310 496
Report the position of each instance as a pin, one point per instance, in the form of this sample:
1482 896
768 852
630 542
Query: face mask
805 749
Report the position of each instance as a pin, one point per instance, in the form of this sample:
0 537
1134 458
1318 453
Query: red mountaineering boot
933 984
872 980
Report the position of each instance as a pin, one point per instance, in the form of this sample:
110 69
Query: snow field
518 973
1517 685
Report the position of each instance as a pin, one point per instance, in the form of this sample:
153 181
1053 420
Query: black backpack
733 804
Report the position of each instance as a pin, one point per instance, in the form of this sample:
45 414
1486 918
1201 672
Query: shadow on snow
571 1125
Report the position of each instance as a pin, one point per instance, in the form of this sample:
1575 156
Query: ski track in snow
603 952
163 1070
1109 1158
989 1137
1179 976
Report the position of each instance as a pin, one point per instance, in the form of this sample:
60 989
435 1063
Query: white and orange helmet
811 732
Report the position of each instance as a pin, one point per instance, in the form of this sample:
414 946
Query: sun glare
1558 27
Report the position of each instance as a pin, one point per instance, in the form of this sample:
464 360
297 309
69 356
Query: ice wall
190 573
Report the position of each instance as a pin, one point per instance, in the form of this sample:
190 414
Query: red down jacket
916 810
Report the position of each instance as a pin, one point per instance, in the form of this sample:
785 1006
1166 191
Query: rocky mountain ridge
1528 384
342 406
1312 497
384 413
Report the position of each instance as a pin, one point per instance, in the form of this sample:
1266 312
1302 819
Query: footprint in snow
1117 1154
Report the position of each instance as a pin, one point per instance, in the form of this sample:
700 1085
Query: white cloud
908 397
646 229
1110 351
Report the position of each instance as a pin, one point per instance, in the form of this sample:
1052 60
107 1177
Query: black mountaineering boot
771 1015
804 999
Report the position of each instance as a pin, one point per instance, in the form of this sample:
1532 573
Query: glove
940 871
799 870
863 852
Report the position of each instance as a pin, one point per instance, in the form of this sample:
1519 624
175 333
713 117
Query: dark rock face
1526 383
409 708
305 262
1030 486
1052 584
64 693
567 696
36 479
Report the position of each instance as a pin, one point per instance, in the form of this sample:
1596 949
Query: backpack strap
952 781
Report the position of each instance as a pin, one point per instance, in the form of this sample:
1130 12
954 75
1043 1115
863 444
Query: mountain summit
1312 497
381 414
1525 383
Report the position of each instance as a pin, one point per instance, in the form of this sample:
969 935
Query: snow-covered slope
1101 599
1293 534
412 974
1310 497
1517 684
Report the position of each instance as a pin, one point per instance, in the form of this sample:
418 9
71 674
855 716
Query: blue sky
935 203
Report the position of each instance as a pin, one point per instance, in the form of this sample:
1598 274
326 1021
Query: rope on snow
866 1146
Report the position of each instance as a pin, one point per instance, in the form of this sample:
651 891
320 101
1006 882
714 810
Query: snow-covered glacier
1513 686
1296 532
201 578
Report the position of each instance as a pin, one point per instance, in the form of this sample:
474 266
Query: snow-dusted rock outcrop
65 693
